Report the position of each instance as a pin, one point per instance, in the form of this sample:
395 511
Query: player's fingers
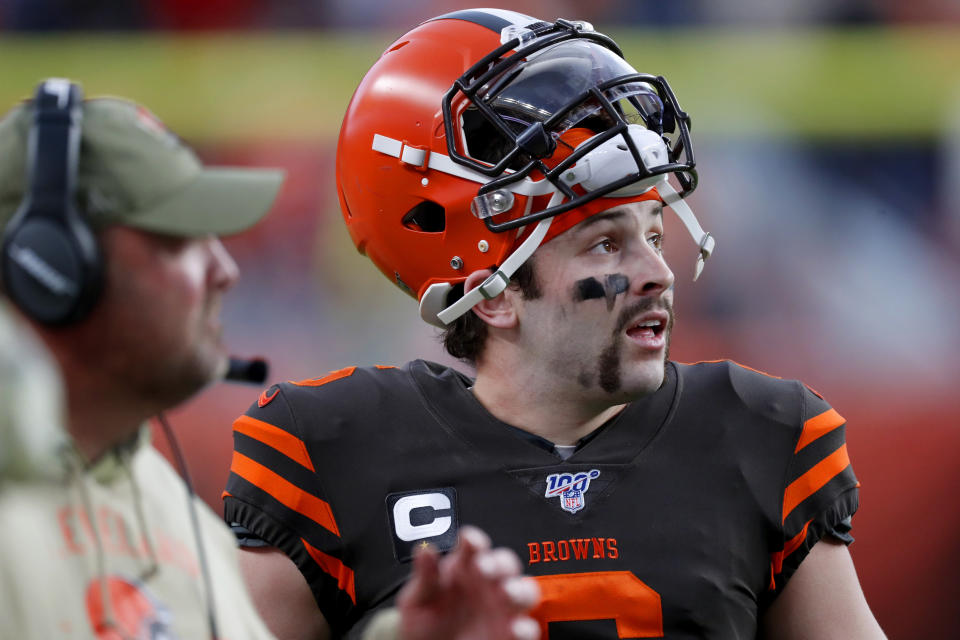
523 592
525 629
458 564
474 538
425 580
498 563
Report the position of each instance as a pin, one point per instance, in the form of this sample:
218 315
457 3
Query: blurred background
827 135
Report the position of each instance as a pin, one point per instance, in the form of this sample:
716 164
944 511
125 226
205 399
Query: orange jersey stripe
335 568
811 482
330 377
334 375
776 558
286 493
794 543
817 426
739 364
275 438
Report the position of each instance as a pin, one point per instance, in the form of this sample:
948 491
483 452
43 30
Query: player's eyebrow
614 214
602 217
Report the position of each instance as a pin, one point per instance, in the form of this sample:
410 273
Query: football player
512 175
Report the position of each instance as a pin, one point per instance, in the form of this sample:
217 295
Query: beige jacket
89 548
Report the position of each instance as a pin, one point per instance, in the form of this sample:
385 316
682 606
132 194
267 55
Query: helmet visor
555 86
559 79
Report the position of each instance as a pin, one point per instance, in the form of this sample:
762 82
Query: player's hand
472 593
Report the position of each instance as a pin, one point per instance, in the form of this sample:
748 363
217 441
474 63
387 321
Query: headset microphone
253 371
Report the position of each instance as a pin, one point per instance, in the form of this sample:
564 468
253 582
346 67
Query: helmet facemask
506 115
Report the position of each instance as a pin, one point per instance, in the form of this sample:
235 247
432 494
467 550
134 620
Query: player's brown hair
467 335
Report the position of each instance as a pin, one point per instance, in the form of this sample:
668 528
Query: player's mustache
628 314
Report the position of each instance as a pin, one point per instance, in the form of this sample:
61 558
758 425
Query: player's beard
609 364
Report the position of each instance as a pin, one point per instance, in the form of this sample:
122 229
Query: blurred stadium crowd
837 261
296 14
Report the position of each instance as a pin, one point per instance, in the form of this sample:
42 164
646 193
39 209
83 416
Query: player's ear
497 312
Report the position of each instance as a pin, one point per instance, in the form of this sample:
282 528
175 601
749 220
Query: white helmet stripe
494 19
443 163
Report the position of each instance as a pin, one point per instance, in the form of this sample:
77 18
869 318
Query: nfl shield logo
571 500
570 488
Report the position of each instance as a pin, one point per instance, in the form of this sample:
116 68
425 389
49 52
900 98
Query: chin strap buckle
494 285
706 249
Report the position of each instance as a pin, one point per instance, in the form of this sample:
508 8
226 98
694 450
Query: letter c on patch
406 530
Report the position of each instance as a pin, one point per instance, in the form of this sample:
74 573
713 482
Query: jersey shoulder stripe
817 426
777 557
820 470
728 361
814 479
275 438
284 492
832 518
339 374
335 568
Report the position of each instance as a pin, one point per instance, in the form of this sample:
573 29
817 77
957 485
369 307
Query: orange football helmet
481 134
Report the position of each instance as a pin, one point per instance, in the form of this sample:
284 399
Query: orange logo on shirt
130 611
265 399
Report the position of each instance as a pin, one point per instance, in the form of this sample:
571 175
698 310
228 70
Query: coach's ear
497 312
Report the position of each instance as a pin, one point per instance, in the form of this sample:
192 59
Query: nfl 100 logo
570 487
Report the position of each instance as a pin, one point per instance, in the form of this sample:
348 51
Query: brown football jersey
682 517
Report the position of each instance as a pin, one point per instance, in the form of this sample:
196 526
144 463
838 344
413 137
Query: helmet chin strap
498 280
705 241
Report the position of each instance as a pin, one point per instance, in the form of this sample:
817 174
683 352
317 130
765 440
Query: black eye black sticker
591 288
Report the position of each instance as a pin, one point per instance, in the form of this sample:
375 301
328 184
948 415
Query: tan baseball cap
135 172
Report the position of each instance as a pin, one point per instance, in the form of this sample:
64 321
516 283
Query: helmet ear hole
427 217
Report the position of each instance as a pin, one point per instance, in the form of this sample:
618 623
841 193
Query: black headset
51 261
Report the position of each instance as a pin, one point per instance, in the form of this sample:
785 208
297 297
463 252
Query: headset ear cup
51 262
51 272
